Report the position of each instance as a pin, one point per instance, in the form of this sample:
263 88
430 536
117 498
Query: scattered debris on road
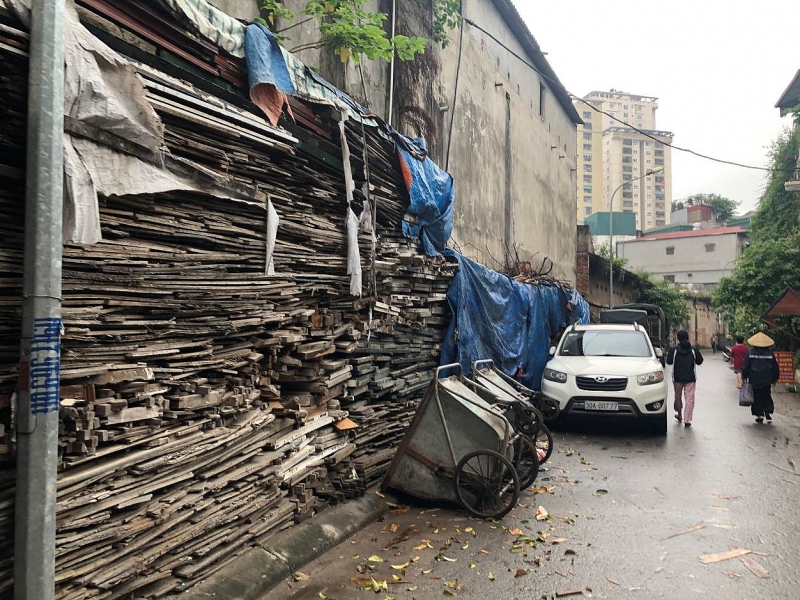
720 556
695 527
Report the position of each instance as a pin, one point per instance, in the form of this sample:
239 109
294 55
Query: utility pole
36 427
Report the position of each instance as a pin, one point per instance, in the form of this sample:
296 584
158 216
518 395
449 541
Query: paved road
733 482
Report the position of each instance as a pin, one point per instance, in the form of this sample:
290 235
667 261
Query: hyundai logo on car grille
601 383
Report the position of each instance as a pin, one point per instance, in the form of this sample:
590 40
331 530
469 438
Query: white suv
608 371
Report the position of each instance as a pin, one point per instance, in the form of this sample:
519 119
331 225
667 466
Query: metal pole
391 64
37 410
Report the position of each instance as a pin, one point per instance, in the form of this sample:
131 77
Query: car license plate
598 405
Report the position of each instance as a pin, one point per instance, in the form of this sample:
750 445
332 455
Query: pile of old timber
204 405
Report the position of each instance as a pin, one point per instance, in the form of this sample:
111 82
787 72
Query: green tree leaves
761 275
352 31
778 213
446 16
772 261
722 207
671 300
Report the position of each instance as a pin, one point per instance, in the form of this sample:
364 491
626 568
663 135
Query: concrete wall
693 264
626 287
703 321
240 9
514 169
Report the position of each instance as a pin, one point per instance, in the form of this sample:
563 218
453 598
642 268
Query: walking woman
684 357
760 370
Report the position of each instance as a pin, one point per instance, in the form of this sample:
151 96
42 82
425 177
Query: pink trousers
687 390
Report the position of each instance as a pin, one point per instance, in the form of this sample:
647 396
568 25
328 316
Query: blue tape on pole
45 365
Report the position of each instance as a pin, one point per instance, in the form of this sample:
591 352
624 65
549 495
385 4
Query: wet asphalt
616 500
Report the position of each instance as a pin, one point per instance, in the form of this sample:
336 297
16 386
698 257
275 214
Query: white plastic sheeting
353 255
102 89
272 233
104 92
353 223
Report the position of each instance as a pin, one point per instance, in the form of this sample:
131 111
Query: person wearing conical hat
760 370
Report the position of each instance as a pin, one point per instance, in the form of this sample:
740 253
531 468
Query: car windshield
605 343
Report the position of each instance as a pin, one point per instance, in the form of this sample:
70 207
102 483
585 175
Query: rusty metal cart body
458 449
519 403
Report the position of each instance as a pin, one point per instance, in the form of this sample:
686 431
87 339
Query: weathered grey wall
241 9
514 170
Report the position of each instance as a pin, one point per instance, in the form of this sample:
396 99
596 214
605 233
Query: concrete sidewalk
259 569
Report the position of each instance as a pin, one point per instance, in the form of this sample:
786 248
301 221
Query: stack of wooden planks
204 405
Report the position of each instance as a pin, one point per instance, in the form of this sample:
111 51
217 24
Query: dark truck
649 316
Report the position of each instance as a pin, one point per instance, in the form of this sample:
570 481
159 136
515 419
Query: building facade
591 197
623 154
695 260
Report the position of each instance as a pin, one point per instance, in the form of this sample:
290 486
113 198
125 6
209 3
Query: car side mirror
659 353
552 350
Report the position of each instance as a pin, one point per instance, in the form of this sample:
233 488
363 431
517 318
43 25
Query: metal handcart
458 448
526 409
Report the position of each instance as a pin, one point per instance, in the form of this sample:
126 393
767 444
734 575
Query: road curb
259 569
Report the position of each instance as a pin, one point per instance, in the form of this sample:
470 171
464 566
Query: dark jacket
760 368
683 359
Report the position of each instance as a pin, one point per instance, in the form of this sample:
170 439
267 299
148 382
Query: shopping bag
746 395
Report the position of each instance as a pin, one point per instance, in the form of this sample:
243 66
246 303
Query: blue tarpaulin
497 317
432 194
265 62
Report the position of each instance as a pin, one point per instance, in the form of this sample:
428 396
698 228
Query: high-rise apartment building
611 153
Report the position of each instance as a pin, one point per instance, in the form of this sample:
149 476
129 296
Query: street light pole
611 252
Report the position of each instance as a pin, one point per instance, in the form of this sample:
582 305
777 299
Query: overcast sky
717 68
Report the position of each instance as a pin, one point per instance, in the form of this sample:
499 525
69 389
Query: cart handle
453 366
520 388
485 361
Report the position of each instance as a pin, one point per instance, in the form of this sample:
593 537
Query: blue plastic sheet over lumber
497 317
432 194
265 62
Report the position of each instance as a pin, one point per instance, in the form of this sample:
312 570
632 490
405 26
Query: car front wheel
658 425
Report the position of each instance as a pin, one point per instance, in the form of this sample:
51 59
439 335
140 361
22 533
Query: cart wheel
487 484
529 419
526 461
544 444
547 406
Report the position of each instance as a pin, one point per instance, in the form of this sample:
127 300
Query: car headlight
650 378
553 375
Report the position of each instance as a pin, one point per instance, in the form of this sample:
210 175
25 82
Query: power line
688 150
560 85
